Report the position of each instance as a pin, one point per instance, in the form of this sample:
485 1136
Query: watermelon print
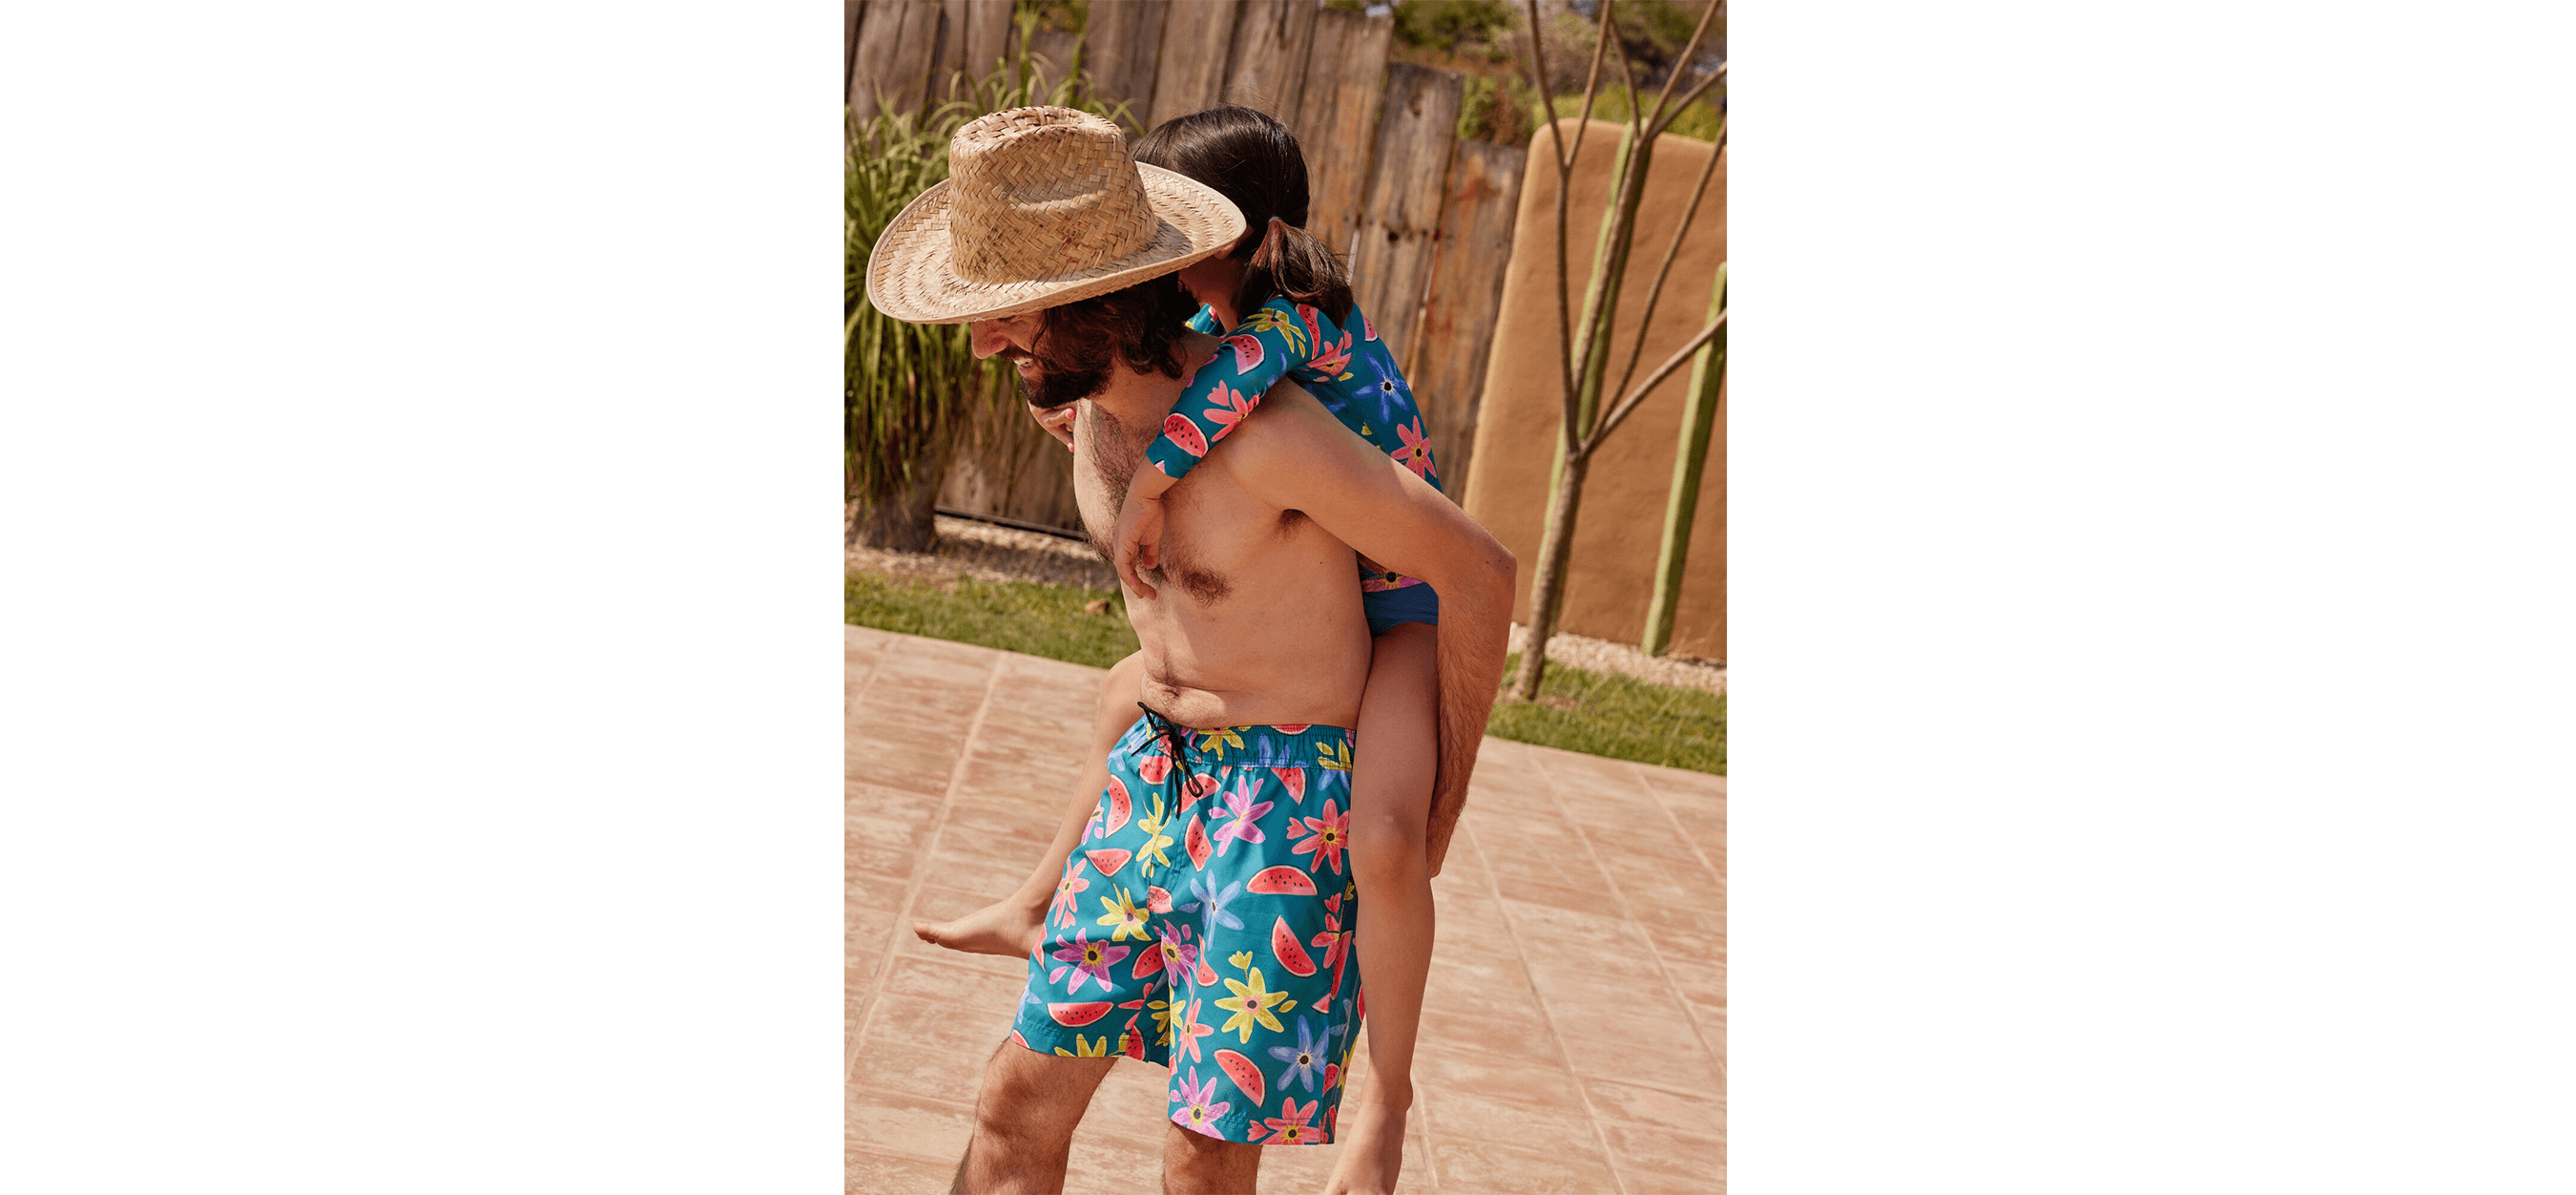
1228 960
1247 353
1179 430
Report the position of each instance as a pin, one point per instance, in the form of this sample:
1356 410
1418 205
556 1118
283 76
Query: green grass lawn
1609 715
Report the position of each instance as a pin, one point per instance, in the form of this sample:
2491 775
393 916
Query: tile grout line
1629 911
1688 1009
1591 1115
912 886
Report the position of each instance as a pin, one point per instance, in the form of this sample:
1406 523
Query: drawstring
1170 732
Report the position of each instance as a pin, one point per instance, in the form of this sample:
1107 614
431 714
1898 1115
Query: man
1223 948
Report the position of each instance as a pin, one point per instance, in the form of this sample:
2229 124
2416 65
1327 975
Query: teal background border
2150 591
424 709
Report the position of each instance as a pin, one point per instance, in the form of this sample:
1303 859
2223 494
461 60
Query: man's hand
1137 542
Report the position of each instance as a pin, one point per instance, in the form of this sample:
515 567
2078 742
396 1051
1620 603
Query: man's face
1015 339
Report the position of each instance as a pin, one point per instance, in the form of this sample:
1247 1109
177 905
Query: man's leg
1024 1120
1197 1164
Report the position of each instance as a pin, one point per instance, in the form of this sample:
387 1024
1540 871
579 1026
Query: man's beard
1056 387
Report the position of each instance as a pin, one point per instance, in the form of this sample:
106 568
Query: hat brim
912 277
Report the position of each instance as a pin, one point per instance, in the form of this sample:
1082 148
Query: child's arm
1275 339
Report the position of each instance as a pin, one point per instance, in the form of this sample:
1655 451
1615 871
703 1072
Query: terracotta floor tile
1509 1079
1711 1181
909 1126
1696 1113
1103 1164
1651 1150
868 1172
1675 1060
1677 782
1521 1039
904 1065
1558 1168
1453 1114
989 872
879 846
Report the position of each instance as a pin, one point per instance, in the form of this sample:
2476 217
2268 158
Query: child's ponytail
1289 262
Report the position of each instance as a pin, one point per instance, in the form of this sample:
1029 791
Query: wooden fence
1425 219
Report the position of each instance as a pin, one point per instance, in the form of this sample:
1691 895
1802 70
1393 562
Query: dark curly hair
1141 325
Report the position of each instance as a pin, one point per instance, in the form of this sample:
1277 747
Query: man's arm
1303 459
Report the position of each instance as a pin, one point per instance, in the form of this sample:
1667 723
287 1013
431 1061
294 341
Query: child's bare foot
1003 927
1372 1148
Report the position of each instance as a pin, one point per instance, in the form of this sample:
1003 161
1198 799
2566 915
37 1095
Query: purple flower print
1240 806
1085 958
1213 914
1305 1061
1199 1110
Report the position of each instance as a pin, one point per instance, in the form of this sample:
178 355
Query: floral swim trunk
1204 924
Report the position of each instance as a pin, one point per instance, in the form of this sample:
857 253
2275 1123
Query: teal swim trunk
1204 925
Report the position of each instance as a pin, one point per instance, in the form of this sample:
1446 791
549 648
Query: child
1283 308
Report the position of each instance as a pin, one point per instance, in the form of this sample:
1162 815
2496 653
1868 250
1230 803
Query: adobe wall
1611 574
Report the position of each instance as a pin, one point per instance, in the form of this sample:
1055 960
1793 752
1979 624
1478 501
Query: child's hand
1138 539
1057 422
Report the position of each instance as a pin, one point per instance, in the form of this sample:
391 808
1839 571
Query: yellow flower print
1123 913
1251 1004
1336 756
1271 319
1086 1049
1213 741
1153 824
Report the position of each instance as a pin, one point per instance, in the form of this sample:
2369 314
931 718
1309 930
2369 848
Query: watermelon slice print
1180 431
1197 789
1279 881
1283 943
1245 1075
1247 352
1153 768
1108 861
1294 780
1074 1015
1119 808
1196 842
1159 901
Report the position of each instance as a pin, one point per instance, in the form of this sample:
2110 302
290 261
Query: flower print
1210 905
1154 824
1246 814
1305 1060
1251 1004
1128 920
1187 1031
1180 956
1416 453
1199 1106
1336 756
1068 890
1167 1013
1085 959
1226 407
1271 319
1214 742
1291 1126
1084 1049
1332 360
1326 837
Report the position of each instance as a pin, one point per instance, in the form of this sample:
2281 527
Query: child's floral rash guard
1347 369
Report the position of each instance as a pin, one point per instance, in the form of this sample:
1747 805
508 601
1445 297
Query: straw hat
1042 206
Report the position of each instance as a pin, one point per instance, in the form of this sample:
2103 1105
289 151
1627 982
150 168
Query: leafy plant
914 392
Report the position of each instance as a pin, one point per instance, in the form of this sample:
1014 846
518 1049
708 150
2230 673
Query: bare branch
1591 84
1695 93
1714 7
1699 190
1546 101
1665 370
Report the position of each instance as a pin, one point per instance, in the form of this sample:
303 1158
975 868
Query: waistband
1289 746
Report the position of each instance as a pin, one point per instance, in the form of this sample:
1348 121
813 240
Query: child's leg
1012 925
1390 798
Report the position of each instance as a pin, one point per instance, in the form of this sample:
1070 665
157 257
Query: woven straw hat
1042 206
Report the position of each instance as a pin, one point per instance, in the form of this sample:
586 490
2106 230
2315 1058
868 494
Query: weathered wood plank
1474 251
1267 67
1391 266
1337 118
849 39
1198 41
1050 59
1123 44
948 57
896 40
988 35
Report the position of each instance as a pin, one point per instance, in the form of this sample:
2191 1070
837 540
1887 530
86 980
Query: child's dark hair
1254 161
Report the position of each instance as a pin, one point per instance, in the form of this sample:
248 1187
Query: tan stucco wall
1610 578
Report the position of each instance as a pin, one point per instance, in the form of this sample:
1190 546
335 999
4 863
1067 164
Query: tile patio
1574 1028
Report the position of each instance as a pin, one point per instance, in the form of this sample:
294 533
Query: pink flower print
1332 358
1294 780
1199 1106
1085 959
1247 352
1326 837
1291 1127
1177 954
1416 453
1068 891
1226 407
1241 807
1153 768
1187 1031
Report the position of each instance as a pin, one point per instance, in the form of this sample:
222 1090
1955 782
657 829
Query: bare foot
1372 1148
1003 928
